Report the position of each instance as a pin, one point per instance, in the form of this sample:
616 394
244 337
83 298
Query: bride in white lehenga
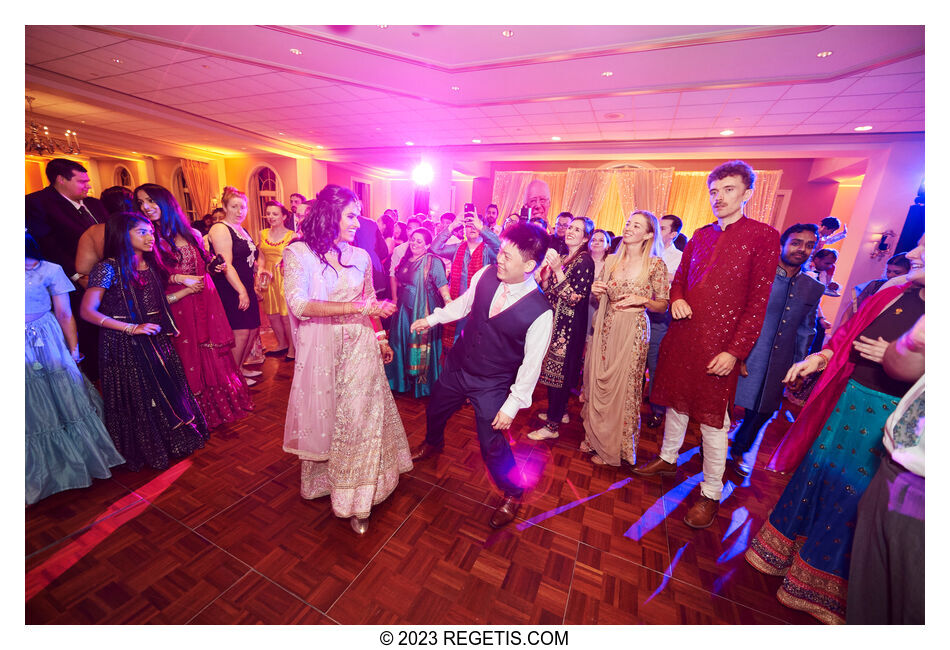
341 417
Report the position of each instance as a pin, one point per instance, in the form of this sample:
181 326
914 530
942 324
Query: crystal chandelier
43 143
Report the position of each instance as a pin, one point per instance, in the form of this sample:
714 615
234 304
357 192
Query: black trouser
448 396
886 577
748 431
557 406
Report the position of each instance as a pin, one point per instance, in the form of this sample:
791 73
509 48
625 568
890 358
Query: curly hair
733 168
320 227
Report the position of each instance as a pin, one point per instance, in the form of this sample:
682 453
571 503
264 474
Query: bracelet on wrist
104 319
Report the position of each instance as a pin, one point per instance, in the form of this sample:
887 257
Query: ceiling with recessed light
316 90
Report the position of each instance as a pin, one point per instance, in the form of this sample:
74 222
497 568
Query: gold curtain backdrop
689 199
199 185
608 195
762 202
509 188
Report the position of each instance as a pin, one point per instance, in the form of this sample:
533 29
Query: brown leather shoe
702 513
506 512
655 467
424 451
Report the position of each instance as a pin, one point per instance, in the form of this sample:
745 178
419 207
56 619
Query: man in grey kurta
786 333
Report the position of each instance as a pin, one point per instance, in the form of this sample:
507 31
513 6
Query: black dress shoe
506 512
276 353
653 421
424 451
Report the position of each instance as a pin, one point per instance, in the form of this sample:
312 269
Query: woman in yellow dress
271 278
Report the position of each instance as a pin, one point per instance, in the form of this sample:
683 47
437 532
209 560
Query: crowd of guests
473 308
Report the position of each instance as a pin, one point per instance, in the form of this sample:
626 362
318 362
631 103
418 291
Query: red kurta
726 278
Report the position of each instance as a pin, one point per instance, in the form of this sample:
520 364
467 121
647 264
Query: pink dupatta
800 437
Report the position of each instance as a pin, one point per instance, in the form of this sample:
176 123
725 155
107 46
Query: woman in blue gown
422 286
67 445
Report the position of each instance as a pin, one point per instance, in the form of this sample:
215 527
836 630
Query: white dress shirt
536 341
672 256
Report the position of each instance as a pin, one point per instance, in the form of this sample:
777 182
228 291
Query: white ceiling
231 89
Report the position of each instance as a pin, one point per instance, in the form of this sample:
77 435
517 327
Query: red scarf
455 285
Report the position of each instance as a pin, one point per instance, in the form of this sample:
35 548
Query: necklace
279 241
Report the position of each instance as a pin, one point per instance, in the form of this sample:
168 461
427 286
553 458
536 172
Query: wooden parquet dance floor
223 537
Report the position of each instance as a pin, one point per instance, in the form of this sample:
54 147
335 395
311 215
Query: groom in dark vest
497 359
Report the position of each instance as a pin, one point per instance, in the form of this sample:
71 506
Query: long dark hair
170 225
118 246
321 225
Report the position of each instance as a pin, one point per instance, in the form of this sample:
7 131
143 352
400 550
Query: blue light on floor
738 547
567 506
668 573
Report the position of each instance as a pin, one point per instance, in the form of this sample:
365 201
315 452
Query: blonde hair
651 247
231 193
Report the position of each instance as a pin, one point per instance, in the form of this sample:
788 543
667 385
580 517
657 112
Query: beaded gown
204 345
613 370
151 414
67 445
341 417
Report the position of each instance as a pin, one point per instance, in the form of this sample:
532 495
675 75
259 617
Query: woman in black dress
566 282
236 285
151 414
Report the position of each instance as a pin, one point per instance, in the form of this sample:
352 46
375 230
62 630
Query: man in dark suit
786 333
371 240
57 216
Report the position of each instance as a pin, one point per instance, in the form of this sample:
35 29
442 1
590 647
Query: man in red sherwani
719 296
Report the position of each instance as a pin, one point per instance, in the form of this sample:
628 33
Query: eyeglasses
538 200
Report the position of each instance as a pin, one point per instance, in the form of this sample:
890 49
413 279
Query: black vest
492 349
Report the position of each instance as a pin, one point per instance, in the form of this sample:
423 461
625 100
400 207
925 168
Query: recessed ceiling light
319 146
606 73
409 143
116 59
135 152
822 55
295 51
555 137
727 132
456 88
280 133
507 33
863 128
476 141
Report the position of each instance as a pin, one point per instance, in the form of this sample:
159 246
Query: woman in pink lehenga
205 340
341 417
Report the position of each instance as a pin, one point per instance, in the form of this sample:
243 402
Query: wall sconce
883 243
